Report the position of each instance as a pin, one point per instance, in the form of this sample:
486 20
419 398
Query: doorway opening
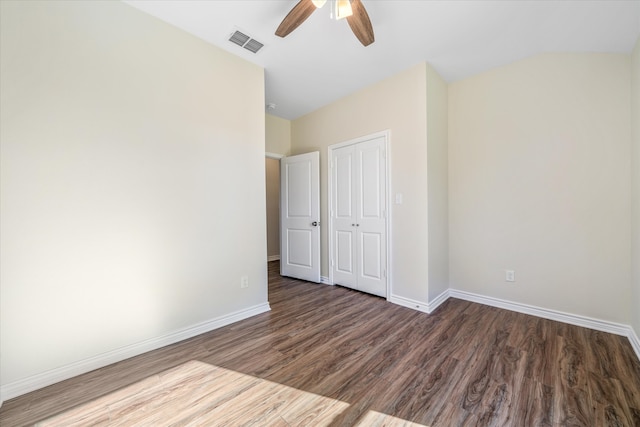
272 184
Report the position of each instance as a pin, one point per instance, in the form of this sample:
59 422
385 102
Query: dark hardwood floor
465 364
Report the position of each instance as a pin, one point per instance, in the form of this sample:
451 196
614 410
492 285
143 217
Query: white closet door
370 214
358 217
344 216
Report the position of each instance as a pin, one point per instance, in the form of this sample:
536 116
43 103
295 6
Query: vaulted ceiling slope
321 61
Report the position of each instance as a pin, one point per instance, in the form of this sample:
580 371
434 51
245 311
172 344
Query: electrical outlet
244 282
510 275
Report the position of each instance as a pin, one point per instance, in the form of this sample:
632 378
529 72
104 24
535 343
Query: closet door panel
344 253
370 255
344 206
344 174
371 182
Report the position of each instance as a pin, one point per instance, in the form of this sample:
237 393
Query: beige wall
272 168
539 182
132 180
635 198
278 135
398 104
438 182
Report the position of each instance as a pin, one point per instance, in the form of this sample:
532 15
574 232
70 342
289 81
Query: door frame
386 134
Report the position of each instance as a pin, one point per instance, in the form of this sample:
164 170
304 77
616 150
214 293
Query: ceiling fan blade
295 17
360 23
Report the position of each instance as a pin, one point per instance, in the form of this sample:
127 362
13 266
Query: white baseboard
273 258
635 342
415 304
437 301
409 303
35 382
325 280
572 319
420 305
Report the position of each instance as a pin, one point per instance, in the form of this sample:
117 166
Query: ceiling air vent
245 41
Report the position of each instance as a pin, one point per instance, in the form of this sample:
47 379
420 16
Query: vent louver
239 38
253 45
245 41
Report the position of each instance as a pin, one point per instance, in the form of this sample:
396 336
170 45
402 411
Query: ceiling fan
353 10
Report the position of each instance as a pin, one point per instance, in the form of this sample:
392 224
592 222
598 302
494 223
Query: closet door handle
315 223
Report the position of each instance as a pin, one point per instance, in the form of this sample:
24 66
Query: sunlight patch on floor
374 419
196 393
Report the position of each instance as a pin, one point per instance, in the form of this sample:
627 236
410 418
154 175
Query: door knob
315 223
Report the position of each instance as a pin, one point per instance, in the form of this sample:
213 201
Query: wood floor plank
430 392
534 404
329 355
453 414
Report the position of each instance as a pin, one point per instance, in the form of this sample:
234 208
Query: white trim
409 303
545 313
386 134
35 382
383 133
635 342
425 307
437 301
572 319
273 258
274 155
325 280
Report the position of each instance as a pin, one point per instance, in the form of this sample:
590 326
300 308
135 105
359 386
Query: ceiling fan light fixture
343 9
353 10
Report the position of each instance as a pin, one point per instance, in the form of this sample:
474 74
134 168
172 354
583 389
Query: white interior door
358 216
370 217
300 216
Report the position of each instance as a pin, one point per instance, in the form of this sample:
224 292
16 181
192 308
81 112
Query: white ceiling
322 61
